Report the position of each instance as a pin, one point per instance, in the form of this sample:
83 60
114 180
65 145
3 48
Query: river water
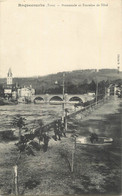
32 113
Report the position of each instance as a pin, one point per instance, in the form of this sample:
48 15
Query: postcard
60 97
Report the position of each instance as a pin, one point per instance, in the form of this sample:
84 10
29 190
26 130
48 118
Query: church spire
9 73
9 77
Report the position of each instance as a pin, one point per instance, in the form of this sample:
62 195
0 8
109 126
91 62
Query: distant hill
46 84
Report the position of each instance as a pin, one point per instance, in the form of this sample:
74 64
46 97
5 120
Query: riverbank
7 102
97 170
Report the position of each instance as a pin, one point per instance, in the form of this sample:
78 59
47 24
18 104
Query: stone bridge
68 98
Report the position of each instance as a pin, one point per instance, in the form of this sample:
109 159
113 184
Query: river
32 113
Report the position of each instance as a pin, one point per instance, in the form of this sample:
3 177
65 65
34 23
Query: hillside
44 84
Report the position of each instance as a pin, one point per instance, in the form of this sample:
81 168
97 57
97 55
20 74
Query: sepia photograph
60 97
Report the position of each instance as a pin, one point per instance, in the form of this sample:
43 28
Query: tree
101 89
1 90
92 86
19 122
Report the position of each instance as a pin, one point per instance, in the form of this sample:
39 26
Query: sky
44 40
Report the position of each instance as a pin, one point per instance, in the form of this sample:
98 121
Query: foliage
1 91
40 122
26 142
26 148
18 121
39 132
7 135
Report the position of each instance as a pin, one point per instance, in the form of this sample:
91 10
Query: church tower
9 77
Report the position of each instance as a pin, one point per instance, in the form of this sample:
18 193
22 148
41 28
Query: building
25 94
26 91
9 77
14 92
114 89
8 88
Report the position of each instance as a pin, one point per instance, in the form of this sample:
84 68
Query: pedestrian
62 128
46 141
57 130
93 137
39 133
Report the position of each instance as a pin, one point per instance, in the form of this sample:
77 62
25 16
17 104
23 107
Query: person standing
62 128
46 141
57 130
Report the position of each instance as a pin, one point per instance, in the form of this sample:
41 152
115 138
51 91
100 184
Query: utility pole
118 69
63 102
96 91
66 111
105 92
63 90
16 179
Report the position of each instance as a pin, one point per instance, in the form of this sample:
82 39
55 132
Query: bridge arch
76 99
56 99
38 99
